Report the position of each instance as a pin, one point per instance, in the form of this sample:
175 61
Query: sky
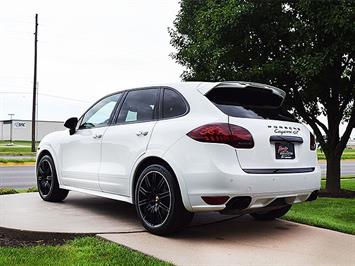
86 49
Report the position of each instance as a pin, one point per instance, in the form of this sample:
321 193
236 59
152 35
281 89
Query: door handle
97 136
142 133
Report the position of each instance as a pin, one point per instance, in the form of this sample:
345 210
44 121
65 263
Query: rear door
280 141
127 140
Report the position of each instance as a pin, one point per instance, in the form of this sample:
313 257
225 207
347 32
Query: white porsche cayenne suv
172 150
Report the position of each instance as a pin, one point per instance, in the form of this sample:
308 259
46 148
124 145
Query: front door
81 152
127 140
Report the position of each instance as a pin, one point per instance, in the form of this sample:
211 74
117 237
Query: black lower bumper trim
280 170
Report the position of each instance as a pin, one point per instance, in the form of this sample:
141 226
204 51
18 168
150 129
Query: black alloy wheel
154 198
44 177
158 201
47 182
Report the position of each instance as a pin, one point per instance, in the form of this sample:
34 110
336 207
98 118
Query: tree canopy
305 47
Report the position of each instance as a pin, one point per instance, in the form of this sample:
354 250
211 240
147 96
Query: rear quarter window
173 104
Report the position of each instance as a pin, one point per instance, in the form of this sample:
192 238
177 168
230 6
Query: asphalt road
17 176
24 176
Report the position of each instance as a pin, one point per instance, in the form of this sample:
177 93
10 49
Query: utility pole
34 92
37 99
11 115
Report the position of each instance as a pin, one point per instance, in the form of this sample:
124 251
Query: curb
27 234
17 164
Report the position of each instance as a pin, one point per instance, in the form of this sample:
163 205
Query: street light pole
11 115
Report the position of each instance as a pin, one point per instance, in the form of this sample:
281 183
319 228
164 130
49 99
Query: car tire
271 215
47 181
158 201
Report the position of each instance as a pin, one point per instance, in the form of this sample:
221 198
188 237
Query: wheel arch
145 163
42 153
47 150
157 160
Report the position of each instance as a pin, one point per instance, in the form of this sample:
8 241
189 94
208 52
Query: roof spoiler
244 84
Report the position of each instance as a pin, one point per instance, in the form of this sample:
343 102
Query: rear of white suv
243 153
173 150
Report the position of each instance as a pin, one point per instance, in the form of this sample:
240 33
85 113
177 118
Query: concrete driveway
246 242
212 239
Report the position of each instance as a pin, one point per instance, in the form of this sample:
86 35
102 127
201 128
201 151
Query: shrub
32 189
4 191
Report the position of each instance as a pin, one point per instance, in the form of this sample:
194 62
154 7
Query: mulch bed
344 193
18 238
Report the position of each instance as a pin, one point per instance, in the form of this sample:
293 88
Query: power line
46 94
64 98
14 76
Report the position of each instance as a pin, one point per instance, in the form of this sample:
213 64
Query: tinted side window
99 115
173 104
139 105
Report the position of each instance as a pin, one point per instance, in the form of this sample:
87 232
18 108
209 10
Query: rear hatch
280 141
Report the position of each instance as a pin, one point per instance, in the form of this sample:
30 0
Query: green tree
305 47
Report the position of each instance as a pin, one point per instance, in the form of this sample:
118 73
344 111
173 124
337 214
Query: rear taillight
233 135
312 142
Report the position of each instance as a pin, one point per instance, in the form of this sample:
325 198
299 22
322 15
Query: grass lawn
332 213
347 154
18 147
346 183
17 160
342 177
81 251
5 190
11 153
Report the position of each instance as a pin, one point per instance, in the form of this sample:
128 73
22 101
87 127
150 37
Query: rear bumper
213 170
262 189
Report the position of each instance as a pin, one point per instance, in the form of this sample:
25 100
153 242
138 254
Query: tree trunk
333 173
334 154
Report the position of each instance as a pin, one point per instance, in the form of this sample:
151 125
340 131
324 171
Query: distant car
173 150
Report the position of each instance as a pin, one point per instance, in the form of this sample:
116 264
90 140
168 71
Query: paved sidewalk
213 239
246 242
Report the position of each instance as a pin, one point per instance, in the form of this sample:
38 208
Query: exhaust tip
238 203
313 196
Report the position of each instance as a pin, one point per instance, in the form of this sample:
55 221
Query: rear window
250 103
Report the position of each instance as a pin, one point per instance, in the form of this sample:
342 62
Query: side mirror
71 124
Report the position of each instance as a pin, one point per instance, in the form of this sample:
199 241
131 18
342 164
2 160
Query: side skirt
99 193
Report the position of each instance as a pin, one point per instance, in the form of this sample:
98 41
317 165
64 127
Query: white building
351 143
22 129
